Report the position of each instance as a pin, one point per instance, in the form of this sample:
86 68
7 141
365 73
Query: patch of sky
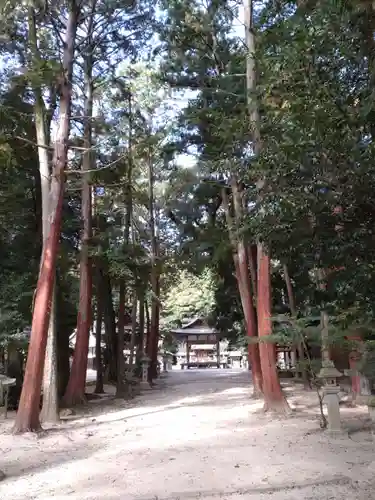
172 103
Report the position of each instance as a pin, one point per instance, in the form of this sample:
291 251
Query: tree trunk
27 418
244 288
252 258
50 409
273 395
293 312
248 301
148 324
354 357
120 385
120 388
154 322
75 392
109 325
99 386
134 331
62 338
154 330
251 321
141 339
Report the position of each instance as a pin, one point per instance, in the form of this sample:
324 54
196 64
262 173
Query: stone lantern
145 362
329 375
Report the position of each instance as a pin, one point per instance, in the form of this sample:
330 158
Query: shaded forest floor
197 435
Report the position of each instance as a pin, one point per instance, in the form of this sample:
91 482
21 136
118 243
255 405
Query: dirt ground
196 436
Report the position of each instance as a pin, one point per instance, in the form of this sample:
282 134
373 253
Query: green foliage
315 92
318 152
20 221
191 296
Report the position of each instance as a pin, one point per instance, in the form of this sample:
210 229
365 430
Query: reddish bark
273 395
252 257
244 288
99 387
75 391
27 418
250 317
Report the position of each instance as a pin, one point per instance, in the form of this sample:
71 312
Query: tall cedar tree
75 391
27 418
273 395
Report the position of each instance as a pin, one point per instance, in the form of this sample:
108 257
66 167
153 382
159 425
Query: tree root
278 408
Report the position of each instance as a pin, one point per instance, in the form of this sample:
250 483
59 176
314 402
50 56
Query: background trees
161 176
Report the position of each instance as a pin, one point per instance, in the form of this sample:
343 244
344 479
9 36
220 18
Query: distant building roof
197 326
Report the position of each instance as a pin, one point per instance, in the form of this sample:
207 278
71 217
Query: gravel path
199 437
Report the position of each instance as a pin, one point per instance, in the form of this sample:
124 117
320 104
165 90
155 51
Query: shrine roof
196 326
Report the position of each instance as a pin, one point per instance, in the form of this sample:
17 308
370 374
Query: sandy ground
196 436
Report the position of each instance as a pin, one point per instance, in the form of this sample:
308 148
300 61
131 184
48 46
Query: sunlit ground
200 437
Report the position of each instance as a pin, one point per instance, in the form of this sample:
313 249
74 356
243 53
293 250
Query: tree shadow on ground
46 458
96 490
305 404
163 395
206 397
230 402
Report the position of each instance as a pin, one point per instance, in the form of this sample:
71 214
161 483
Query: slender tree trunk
154 333
244 288
75 392
50 409
251 321
99 386
120 386
251 80
251 249
154 327
148 333
293 312
273 395
134 331
289 288
141 338
27 418
40 124
252 258
109 317
62 337
109 325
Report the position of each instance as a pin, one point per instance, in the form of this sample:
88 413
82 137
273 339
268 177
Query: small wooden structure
201 343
